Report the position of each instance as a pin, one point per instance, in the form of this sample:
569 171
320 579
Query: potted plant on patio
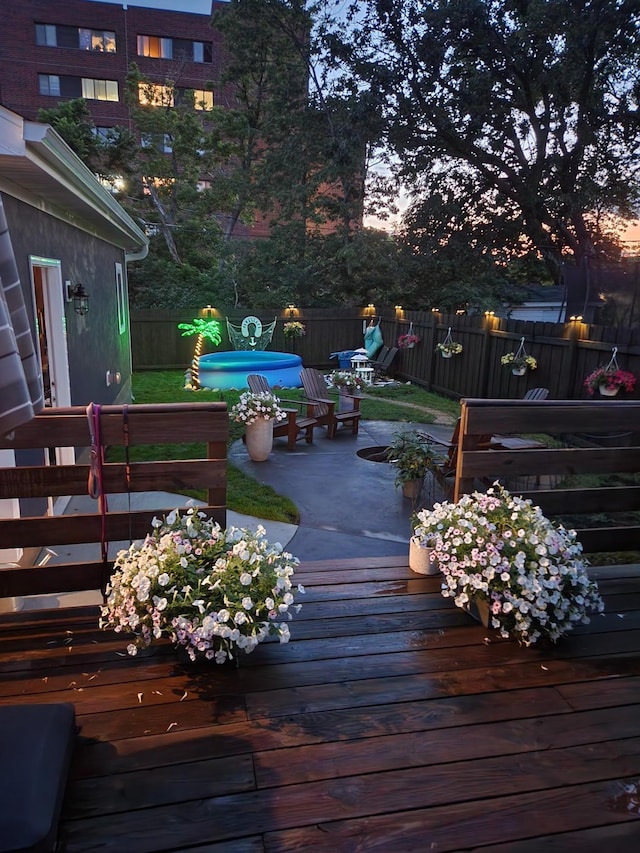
413 456
348 385
258 412
448 347
499 555
211 591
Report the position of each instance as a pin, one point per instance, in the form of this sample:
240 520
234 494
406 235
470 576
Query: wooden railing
120 426
542 474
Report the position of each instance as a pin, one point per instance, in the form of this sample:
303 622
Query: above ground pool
226 370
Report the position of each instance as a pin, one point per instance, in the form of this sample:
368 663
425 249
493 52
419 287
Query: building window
155 95
100 40
202 98
49 84
158 141
167 48
103 133
156 47
78 87
52 35
99 90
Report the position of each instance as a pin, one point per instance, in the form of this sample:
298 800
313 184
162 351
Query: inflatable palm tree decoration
205 330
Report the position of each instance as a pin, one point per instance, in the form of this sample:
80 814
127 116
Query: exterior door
46 278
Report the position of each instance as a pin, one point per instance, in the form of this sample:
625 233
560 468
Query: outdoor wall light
79 296
489 313
292 310
435 310
575 318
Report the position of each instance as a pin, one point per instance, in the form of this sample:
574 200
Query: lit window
203 99
201 186
49 84
153 46
100 40
155 95
99 90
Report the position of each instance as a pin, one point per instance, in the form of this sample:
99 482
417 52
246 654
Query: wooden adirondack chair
323 408
297 423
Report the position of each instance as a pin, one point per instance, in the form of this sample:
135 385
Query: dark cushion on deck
36 742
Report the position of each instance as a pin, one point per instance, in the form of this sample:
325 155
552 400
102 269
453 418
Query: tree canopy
527 109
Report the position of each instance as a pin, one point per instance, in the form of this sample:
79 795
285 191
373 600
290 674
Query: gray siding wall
94 342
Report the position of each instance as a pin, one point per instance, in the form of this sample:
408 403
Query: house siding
94 343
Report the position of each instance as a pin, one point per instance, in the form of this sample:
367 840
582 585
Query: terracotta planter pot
412 488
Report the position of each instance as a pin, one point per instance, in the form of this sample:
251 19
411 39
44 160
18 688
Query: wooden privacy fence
123 427
566 352
541 473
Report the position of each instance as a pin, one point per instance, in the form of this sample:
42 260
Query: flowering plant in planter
294 329
500 549
610 378
517 362
449 348
345 380
210 590
408 340
254 407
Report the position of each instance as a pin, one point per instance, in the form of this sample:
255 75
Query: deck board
390 722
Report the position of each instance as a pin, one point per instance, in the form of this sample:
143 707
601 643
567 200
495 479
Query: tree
532 102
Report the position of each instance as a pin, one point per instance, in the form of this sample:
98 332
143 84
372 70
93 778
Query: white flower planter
607 392
518 371
259 439
446 354
420 559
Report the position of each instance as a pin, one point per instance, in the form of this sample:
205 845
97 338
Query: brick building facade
53 51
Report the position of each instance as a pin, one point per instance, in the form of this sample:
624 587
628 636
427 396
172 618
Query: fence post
567 378
485 351
430 340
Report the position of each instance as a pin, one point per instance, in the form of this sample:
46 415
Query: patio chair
382 364
323 408
536 394
297 422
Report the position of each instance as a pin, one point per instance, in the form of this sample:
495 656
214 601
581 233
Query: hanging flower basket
519 361
409 340
448 346
294 329
608 380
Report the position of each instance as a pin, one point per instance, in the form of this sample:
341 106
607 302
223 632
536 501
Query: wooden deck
391 722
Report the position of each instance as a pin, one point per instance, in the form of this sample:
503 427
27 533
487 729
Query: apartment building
80 48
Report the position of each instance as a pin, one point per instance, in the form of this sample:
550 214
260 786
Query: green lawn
244 494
